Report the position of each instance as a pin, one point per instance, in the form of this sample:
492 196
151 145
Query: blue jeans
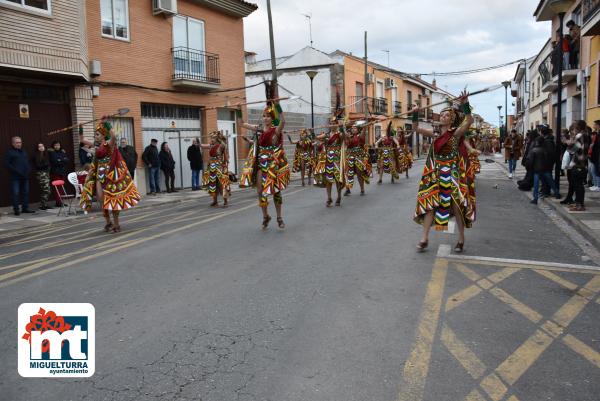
196 179
512 165
595 173
547 178
154 176
19 188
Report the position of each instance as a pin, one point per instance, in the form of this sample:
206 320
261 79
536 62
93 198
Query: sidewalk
586 223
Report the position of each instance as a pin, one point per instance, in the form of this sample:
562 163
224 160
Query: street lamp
312 74
500 120
506 84
560 7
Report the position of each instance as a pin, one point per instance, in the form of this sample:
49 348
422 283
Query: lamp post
560 7
312 74
500 120
506 84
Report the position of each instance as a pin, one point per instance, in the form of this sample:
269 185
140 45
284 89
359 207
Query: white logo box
77 363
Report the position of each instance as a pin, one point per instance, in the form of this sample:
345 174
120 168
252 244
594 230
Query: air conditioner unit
389 83
167 7
370 78
95 67
587 72
580 78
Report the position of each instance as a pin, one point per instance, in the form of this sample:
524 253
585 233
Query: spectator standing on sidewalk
41 161
194 155
550 147
129 155
58 167
17 163
167 165
594 156
512 150
527 182
538 163
150 158
86 154
578 166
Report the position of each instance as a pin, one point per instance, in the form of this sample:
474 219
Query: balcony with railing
548 70
590 12
397 108
194 68
376 105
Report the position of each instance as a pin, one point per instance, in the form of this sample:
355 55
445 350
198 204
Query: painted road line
417 365
494 387
462 296
462 353
8 281
582 349
470 274
557 279
517 305
475 395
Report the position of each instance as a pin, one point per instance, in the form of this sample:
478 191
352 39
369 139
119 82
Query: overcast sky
421 35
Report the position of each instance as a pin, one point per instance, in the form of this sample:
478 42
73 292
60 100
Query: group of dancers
338 157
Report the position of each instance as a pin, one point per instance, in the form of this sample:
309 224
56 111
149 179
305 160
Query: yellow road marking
569 311
513 398
475 395
462 353
582 349
557 279
526 266
470 274
516 364
461 297
417 365
494 387
502 275
517 305
7 281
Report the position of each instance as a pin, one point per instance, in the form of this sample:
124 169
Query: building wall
145 60
593 103
54 43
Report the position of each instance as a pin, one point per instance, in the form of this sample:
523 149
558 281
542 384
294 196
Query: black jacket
150 156
41 161
537 160
84 156
550 149
130 156
58 162
17 163
595 156
194 155
167 162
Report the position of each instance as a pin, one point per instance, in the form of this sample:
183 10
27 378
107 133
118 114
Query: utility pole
365 97
308 17
272 44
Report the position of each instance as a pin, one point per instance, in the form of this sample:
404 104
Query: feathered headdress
389 131
272 109
458 116
338 112
218 136
105 128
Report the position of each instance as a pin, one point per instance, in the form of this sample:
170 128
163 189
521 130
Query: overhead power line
465 72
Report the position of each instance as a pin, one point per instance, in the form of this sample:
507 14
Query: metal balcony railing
378 105
548 69
589 8
195 65
375 105
397 108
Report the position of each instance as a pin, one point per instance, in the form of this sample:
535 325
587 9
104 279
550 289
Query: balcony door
188 47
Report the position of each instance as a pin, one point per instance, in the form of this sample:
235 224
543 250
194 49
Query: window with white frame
34 5
115 18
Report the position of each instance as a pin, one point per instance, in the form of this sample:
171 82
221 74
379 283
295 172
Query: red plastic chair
65 198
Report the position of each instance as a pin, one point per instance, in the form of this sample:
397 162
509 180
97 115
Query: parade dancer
334 161
405 157
321 161
443 189
357 160
387 155
216 177
304 158
108 177
270 171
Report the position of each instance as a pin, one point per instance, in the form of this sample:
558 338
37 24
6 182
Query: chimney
434 83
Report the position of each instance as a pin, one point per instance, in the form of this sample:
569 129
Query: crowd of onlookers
51 165
579 162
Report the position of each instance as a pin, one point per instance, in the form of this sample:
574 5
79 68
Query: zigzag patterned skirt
444 182
333 171
303 156
357 163
387 162
319 172
215 180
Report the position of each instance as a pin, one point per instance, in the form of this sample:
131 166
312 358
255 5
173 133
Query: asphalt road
195 303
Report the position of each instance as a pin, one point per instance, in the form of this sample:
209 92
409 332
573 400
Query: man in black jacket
594 157
129 155
550 149
17 163
194 155
538 162
150 158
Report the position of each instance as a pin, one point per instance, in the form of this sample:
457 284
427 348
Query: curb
572 221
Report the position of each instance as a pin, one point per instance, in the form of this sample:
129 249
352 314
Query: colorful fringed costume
473 168
357 161
108 169
303 153
334 156
443 182
405 157
216 177
319 171
387 157
270 166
